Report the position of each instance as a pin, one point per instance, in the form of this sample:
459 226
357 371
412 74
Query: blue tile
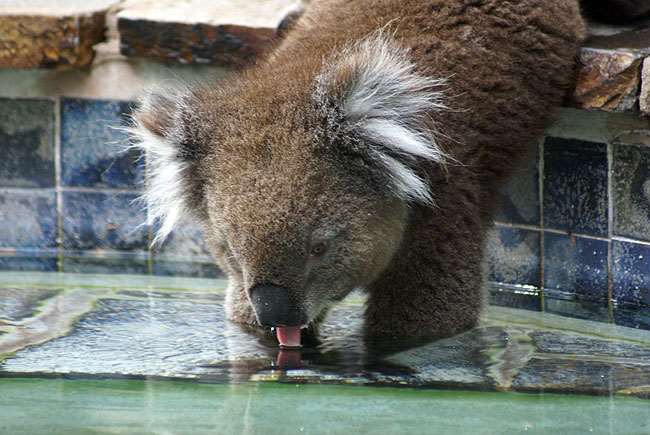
165 267
185 253
92 147
27 143
631 191
34 262
27 218
632 317
576 265
187 240
520 197
95 220
631 272
575 186
577 308
513 256
109 263
512 297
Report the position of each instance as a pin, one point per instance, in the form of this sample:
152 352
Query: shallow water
98 354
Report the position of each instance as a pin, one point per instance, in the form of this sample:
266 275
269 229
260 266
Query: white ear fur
166 190
388 104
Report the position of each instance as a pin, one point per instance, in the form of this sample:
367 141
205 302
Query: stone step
225 32
232 33
46 34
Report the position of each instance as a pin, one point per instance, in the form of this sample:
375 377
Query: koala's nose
273 306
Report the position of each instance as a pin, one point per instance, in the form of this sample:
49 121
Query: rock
565 343
17 304
41 34
644 98
457 361
224 32
582 376
608 79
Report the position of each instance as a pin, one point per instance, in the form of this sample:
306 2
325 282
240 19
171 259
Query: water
98 354
171 407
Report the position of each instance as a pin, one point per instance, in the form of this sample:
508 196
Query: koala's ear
161 129
372 91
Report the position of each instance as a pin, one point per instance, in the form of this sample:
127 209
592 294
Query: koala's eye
319 249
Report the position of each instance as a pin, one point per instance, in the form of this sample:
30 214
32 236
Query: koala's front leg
238 308
433 289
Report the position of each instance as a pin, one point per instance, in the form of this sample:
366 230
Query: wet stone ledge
613 73
233 34
225 32
158 331
41 34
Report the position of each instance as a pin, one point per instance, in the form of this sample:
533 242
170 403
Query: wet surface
175 330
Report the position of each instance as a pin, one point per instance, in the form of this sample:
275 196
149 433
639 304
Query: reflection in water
289 359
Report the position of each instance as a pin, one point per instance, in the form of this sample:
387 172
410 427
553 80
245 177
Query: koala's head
303 181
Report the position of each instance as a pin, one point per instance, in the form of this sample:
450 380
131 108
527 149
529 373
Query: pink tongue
288 336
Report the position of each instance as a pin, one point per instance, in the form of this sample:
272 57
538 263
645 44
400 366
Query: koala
365 151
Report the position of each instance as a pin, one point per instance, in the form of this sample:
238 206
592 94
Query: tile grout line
629 240
107 190
577 235
57 177
610 231
540 193
563 232
517 226
12 189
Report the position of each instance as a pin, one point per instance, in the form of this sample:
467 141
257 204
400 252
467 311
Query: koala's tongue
288 336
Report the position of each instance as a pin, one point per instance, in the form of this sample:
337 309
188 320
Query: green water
40 406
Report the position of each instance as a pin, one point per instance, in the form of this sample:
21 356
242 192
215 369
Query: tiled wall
572 236
574 233
67 191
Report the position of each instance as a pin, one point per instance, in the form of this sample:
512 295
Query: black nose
273 306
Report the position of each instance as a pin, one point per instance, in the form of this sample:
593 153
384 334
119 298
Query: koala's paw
238 308
240 312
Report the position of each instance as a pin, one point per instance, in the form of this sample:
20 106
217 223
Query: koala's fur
381 128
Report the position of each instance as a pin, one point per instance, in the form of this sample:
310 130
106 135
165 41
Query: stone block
224 32
644 97
608 79
51 34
